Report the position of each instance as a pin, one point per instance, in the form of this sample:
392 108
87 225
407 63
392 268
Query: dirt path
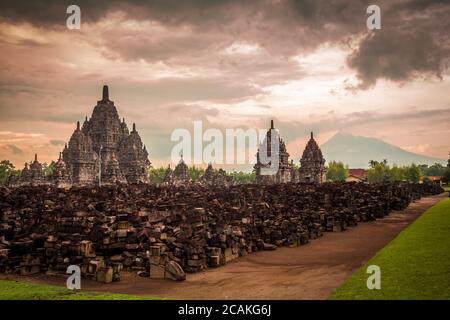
312 271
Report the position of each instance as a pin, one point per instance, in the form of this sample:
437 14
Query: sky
310 65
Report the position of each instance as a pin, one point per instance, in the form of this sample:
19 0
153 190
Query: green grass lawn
446 188
415 265
13 290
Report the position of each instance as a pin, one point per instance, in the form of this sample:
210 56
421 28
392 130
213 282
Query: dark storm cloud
174 12
398 56
413 41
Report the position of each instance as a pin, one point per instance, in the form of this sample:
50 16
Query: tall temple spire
134 127
271 124
312 135
35 157
78 125
105 93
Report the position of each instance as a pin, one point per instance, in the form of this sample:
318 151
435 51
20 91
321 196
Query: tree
7 170
380 172
396 173
413 173
337 171
195 173
157 174
436 169
243 177
48 169
446 176
373 163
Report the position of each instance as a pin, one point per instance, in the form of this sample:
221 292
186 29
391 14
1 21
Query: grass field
415 265
446 188
12 290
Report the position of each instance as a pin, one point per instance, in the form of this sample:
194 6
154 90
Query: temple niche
103 150
283 174
312 163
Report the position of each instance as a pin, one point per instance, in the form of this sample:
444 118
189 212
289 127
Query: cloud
15 150
57 142
415 45
412 43
18 135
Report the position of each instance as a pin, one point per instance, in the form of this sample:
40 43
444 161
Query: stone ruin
165 231
101 151
178 176
216 178
283 173
312 163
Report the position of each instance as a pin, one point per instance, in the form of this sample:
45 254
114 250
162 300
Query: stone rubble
165 231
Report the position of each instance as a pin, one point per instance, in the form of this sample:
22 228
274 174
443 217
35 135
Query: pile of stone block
163 232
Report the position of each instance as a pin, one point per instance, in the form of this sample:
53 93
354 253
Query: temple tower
282 174
104 150
312 163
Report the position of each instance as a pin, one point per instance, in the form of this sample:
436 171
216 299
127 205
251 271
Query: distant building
357 175
215 177
434 179
283 172
178 176
312 163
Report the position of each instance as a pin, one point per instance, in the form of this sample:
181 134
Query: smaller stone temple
283 173
180 172
31 174
213 177
178 176
312 163
61 175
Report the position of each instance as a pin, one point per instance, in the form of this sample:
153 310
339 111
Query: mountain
357 151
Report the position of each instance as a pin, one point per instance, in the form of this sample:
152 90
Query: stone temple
312 163
284 172
103 150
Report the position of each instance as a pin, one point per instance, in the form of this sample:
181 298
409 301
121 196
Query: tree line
379 171
195 173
